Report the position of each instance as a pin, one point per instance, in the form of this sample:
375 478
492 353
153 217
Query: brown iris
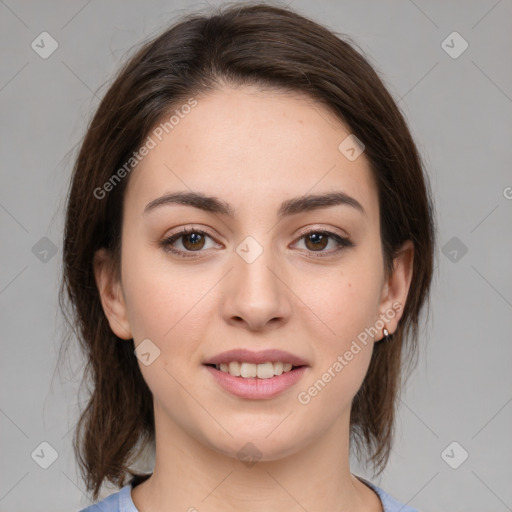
318 240
193 241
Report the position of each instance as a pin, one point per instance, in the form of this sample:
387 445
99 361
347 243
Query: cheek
151 300
348 305
165 303
152 305
172 310
344 352
346 300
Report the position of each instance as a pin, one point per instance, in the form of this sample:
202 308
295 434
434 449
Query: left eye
317 241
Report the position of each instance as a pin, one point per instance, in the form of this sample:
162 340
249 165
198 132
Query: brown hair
274 48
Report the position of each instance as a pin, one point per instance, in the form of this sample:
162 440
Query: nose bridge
256 293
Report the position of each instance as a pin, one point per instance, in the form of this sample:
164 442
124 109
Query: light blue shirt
121 501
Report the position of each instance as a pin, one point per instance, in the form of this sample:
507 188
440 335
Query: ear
396 287
111 294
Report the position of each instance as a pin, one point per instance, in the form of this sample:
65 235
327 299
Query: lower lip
254 388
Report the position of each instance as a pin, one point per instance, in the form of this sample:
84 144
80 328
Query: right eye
191 239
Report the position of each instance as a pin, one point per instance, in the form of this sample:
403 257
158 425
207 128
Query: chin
251 450
263 442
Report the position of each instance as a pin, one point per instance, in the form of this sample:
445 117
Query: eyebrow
289 207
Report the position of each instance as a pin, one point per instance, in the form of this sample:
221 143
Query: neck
188 475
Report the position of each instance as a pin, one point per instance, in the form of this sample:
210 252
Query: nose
256 295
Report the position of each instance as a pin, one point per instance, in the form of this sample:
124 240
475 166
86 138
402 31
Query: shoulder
389 503
120 501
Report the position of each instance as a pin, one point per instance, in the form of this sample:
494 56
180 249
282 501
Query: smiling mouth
251 370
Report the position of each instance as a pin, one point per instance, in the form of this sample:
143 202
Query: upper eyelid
187 230
183 231
335 231
303 232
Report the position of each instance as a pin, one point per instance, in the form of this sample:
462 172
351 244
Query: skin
253 149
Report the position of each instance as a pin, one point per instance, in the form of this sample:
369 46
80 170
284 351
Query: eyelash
342 242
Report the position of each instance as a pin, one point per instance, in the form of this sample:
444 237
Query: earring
386 335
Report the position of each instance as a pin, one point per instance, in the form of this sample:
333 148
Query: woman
248 247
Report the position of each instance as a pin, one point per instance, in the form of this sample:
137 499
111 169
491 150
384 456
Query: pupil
194 236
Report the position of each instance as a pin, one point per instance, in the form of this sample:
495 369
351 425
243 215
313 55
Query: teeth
278 368
250 370
234 368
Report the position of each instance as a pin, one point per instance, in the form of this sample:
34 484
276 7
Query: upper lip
263 356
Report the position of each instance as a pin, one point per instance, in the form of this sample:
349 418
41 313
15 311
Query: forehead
251 147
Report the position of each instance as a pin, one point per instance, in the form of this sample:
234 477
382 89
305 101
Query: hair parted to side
239 44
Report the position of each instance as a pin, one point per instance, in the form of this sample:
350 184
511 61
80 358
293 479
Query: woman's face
270 273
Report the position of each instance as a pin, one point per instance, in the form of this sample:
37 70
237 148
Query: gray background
459 110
